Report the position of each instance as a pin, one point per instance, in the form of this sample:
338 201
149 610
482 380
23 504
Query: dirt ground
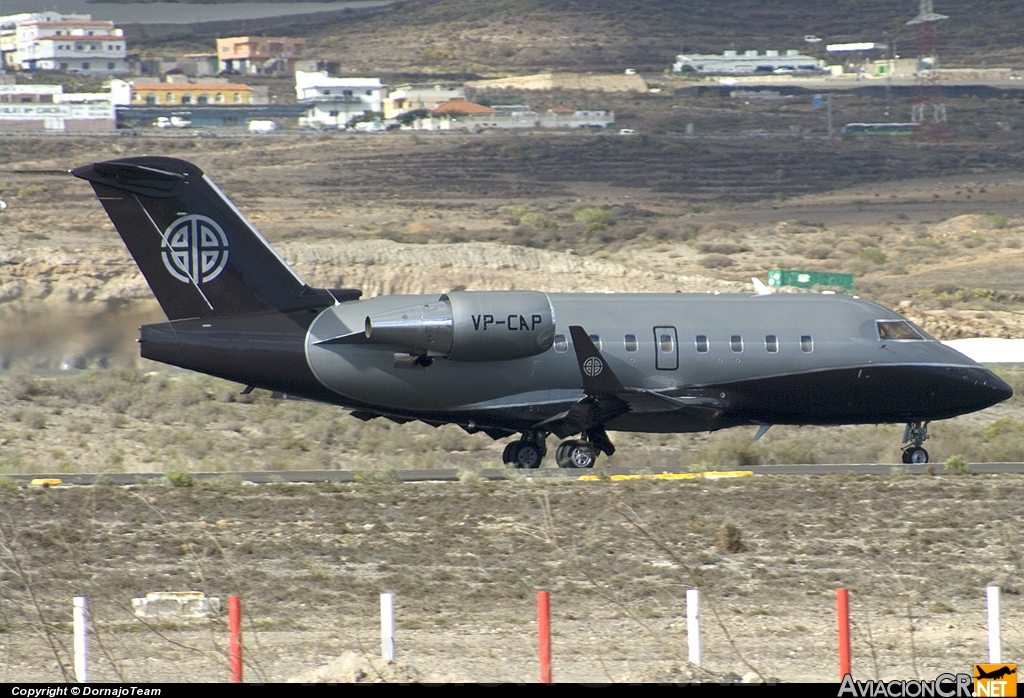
465 560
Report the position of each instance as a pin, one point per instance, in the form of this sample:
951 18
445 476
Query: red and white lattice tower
929 108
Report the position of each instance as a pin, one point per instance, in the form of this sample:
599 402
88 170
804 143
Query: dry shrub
730 539
722 247
818 252
716 261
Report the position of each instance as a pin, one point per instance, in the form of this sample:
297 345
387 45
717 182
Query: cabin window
806 343
702 343
736 342
667 343
771 343
596 339
561 346
897 329
630 341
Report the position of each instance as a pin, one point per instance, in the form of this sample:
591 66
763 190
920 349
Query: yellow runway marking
710 475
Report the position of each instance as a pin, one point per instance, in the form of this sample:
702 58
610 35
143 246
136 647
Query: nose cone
1001 390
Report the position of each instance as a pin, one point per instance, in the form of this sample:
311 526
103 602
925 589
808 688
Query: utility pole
928 86
829 110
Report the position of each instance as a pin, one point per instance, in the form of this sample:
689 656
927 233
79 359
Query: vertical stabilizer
197 251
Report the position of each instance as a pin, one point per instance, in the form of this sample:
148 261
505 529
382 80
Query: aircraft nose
987 387
1001 389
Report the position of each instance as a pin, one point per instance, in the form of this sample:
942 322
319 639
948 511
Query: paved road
264 477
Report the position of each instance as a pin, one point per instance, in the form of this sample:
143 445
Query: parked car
262 126
627 132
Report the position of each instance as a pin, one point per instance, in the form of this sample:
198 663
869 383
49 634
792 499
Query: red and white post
544 635
843 623
235 629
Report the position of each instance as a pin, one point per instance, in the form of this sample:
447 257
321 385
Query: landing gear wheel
916 456
575 454
915 435
510 452
528 456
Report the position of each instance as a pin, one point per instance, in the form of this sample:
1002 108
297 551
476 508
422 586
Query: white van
262 126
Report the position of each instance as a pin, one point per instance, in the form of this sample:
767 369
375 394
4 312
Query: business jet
523 363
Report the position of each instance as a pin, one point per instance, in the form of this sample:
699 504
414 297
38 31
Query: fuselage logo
593 366
194 249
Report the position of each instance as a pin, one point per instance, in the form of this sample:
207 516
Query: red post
843 621
235 628
544 635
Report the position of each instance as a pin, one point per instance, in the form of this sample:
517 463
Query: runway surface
451 475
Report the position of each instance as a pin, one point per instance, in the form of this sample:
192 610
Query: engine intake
470 326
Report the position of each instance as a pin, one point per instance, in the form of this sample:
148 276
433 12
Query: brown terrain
935 231
465 560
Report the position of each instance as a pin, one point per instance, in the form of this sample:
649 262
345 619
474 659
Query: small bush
996 220
957 465
536 220
730 539
592 214
513 214
716 261
377 477
8 483
179 477
873 254
722 247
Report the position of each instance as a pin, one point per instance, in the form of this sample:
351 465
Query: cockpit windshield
897 329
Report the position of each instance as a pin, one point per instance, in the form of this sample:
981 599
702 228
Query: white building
406 98
749 63
75 43
334 102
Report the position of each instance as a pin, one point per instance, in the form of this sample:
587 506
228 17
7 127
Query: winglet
594 369
759 286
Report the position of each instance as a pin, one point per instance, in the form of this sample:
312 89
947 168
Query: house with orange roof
460 106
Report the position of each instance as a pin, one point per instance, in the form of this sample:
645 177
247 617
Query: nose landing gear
914 436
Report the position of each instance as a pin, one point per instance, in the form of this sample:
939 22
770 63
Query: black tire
528 456
509 454
582 455
562 454
917 456
906 457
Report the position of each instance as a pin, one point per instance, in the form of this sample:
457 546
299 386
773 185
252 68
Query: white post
995 635
387 627
693 625
81 642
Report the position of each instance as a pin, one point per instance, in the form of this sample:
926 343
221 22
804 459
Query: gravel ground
465 560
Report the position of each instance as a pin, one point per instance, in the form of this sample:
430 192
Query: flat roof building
74 43
748 63
259 55
198 94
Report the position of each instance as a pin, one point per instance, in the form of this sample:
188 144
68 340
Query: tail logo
195 249
593 366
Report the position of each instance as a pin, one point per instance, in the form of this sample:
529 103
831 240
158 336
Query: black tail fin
197 251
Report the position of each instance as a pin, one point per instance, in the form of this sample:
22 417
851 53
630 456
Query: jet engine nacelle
470 326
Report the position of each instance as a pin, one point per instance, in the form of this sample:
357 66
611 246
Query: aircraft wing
607 398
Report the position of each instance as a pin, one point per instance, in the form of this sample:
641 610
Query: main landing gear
530 450
914 436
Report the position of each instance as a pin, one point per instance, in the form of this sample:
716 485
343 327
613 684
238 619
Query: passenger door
666 348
